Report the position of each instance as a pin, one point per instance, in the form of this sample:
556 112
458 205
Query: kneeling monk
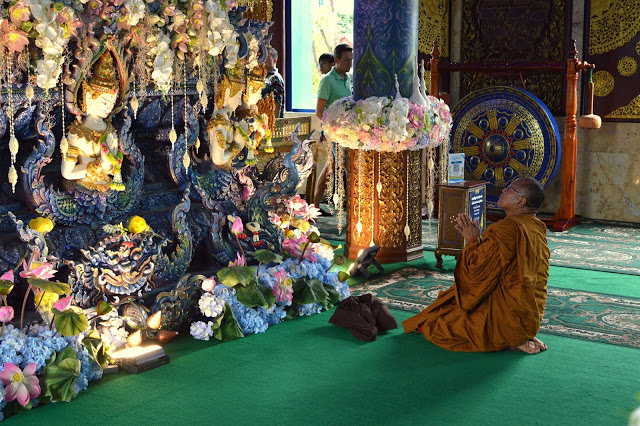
500 288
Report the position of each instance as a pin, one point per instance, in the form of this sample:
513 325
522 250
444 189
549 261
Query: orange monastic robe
499 293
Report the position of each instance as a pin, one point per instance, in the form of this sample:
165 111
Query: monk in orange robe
500 289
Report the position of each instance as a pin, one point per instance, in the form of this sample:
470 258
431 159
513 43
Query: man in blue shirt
333 86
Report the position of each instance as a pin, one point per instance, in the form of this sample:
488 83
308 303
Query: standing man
333 86
500 289
326 62
273 82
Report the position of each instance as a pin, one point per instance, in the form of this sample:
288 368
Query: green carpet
590 246
570 313
307 371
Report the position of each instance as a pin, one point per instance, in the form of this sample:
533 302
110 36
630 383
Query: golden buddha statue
93 158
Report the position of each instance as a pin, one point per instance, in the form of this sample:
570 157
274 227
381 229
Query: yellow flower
41 224
137 225
46 300
301 224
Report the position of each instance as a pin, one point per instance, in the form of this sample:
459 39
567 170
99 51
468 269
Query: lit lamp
366 258
138 359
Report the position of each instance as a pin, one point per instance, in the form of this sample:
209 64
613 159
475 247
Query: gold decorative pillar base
381 216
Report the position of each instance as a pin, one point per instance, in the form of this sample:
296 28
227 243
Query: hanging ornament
186 160
360 166
336 198
134 102
64 146
430 163
13 141
407 230
29 93
373 172
379 184
269 148
64 142
197 144
200 87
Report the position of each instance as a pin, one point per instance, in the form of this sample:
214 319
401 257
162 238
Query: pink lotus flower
208 284
283 290
237 226
295 247
37 270
63 304
294 204
6 314
240 260
14 39
20 385
246 193
310 212
7 275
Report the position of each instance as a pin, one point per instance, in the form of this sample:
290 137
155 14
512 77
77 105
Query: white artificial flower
211 305
136 10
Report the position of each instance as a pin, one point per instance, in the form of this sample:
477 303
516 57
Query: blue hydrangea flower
248 319
201 330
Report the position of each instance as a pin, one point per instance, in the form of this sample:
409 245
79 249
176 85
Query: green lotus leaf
267 256
103 308
226 327
234 275
58 377
51 286
69 322
309 291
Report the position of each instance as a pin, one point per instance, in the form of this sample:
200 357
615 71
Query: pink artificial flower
37 270
169 11
246 193
14 39
283 290
63 304
19 13
310 212
20 385
94 7
237 227
6 314
7 275
240 260
294 204
208 284
295 247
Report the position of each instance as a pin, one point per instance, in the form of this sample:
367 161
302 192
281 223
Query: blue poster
476 205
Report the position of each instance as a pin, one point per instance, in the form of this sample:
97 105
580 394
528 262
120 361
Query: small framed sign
456 167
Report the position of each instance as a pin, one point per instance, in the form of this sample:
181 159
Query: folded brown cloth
364 315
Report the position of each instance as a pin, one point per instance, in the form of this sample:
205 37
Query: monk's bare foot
528 347
539 344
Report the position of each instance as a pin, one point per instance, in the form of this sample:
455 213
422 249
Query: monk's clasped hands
469 229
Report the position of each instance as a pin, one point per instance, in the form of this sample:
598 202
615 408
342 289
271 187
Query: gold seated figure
91 156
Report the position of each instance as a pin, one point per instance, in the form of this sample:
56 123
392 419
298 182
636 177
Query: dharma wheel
505 133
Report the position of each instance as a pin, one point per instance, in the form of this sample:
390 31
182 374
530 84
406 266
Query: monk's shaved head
532 190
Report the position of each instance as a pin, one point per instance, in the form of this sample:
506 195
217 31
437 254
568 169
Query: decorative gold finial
103 79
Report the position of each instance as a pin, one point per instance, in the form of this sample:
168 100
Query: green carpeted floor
306 371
